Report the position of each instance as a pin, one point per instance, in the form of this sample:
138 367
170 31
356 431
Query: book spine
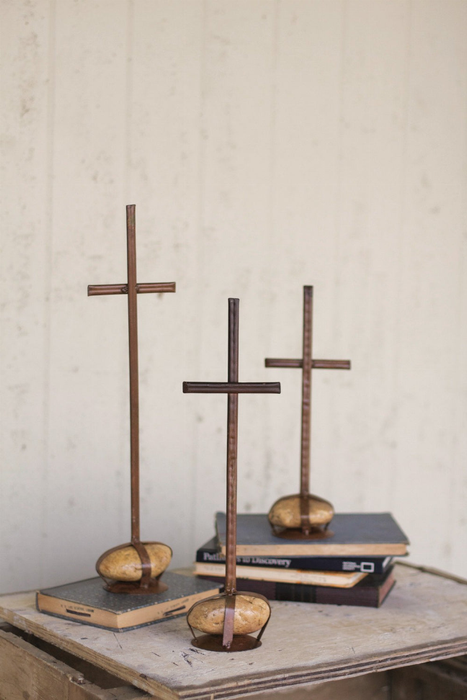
368 596
312 578
375 565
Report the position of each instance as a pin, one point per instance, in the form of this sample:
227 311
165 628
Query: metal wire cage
227 639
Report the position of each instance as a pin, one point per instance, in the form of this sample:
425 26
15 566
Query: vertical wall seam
48 259
458 485
129 100
271 237
123 504
402 216
196 347
338 195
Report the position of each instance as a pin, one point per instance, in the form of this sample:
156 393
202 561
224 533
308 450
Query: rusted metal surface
306 364
306 393
232 387
131 288
95 290
315 364
232 441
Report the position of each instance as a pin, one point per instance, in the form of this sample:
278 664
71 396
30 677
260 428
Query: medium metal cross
232 388
132 288
306 364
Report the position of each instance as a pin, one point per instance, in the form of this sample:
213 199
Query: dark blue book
209 554
350 535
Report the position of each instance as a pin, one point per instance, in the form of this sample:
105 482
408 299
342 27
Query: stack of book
352 566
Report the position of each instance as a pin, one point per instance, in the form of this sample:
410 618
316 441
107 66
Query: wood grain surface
423 619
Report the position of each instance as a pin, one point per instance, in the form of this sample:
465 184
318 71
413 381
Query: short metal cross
233 388
132 288
306 364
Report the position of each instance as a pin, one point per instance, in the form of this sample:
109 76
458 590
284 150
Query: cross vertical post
134 373
232 442
305 449
131 289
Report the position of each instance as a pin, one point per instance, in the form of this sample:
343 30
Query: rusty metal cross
306 364
233 388
132 288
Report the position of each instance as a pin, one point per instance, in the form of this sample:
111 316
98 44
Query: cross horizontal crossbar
231 388
316 364
144 288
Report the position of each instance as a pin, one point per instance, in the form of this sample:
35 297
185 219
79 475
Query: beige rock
251 613
286 511
125 564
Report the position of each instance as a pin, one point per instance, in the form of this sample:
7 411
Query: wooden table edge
256 683
418 655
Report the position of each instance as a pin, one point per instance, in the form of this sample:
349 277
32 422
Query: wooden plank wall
267 144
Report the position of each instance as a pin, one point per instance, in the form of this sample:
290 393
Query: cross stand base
240 642
114 580
315 533
301 516
226 640
135 587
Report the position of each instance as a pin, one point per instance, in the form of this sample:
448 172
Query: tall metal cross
232 388
132 288
306 364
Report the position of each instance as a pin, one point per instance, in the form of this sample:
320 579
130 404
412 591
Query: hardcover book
209 553
89 603
264 573
351 534
371 592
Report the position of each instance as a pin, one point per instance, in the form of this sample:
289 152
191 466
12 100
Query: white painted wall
267 145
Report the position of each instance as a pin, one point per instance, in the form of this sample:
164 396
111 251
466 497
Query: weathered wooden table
424 619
